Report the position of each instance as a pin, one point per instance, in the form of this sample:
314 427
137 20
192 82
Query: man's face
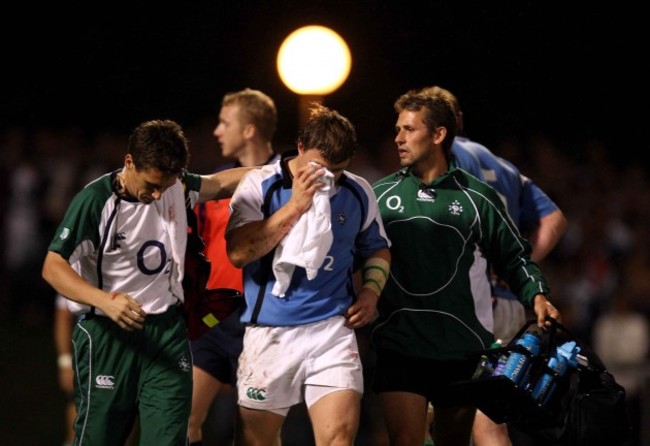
147 185
230 131
314 155
414 142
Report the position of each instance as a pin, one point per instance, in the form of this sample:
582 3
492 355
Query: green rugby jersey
445 237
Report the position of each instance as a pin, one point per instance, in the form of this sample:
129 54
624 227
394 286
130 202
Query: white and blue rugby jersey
357 230
525 202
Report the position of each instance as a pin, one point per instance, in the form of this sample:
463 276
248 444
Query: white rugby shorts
280 367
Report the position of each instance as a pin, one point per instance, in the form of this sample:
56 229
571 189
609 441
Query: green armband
375 274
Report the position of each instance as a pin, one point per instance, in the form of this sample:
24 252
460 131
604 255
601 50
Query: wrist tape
375 274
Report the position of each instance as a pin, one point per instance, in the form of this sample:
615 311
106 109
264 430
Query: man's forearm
375 271
544 238
221 184
254 240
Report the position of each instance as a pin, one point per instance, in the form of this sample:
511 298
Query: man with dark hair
538 218
118 256
445 227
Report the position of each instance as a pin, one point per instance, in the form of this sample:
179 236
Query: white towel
308 241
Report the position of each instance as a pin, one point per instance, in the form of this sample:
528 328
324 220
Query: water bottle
485 366
518 363
565 357
501 364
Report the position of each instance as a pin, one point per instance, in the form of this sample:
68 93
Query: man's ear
249 131
301 149
439 135
128 161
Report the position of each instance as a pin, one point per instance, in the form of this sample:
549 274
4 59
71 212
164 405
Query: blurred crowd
598 272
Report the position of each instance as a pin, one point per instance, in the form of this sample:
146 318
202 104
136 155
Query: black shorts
395 372
217 351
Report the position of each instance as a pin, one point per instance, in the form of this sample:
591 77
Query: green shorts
119 374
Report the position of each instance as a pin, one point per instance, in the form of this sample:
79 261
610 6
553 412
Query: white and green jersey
127 246
444 237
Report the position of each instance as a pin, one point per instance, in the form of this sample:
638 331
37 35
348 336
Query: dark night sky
519 68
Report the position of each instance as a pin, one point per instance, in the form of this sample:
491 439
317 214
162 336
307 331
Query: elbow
236 256
46 272
238 261
562 225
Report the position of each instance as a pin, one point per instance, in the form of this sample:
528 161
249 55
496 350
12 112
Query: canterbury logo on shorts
256 394
105 381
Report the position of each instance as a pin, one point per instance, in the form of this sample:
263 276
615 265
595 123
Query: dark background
520 68
573 72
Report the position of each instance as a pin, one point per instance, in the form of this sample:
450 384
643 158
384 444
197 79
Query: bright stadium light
314 60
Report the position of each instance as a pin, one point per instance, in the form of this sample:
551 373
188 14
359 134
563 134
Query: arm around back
221 184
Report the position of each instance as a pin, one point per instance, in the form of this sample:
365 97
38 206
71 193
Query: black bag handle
594 362
549 336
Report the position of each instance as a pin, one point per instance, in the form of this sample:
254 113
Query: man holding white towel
300 345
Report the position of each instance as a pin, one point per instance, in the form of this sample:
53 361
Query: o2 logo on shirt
394 203
146 256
